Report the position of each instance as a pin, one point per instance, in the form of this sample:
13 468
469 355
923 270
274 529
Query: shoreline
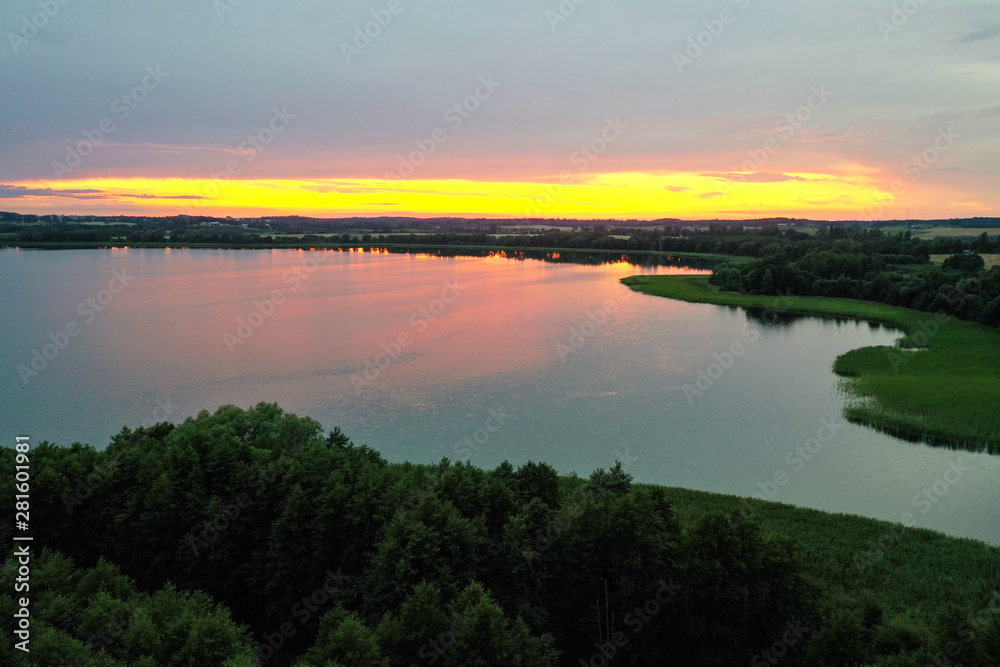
944 396
74 245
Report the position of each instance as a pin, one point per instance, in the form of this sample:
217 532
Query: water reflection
766 317
561 257
772 318
529 337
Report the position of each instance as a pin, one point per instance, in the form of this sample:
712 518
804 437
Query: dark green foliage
344 641
96 617
871 267
332 556
965 262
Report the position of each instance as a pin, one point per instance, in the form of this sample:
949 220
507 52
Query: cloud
759 177
161 148
355 120
964 114
170 148
20 192
158 196
982 34
677 188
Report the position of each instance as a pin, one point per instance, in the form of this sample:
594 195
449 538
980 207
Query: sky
733 109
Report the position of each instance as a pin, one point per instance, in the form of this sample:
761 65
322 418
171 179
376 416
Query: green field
956 232
940 384
991 260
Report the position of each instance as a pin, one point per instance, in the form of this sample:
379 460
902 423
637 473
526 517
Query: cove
533 359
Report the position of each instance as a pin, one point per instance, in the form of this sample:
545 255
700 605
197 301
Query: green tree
767 283
344 641
96 617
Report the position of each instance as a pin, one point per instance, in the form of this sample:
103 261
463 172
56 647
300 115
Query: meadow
957 232
990 259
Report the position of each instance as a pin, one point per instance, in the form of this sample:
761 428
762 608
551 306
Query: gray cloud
758 177
157 196
20 192
982 34
356 119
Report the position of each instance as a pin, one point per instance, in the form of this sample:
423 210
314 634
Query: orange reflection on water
336 312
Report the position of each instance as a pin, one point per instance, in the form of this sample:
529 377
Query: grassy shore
862 559
940 384
901 566
297 245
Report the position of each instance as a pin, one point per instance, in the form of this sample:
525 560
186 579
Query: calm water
580 371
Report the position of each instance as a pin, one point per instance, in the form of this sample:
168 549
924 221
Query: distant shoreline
74 245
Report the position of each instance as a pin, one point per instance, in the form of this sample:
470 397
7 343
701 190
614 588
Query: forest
766 241
867 265
249 537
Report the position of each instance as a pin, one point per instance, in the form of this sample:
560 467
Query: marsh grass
939 384
911 571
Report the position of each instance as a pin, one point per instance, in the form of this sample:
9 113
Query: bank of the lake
858 591
397 247
940 384
161 350
857 556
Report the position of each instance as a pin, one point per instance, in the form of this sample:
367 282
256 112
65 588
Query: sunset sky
846 109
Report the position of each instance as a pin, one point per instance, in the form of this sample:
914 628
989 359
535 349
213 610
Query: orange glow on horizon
625 195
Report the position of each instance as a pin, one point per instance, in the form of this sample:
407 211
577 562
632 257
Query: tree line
251 537
961 287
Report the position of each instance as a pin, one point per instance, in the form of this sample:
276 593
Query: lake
472 358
